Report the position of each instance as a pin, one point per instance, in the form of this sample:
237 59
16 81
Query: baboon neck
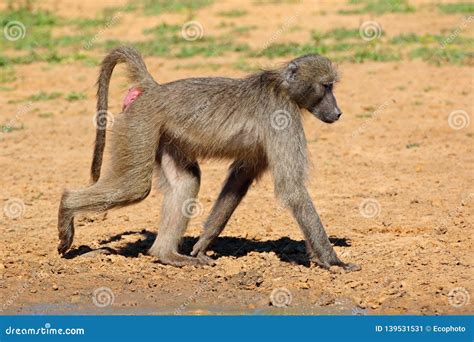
268 81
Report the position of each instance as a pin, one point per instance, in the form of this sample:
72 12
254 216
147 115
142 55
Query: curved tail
137 73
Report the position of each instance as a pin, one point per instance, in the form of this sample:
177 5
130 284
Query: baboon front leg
319 247
235 187
181 186
288 162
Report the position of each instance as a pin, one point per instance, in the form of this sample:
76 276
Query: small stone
129 280
303 285
55 287
33 291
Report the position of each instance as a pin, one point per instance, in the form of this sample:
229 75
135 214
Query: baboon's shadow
286 249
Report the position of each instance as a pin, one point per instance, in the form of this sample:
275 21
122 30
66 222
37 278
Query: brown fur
170 126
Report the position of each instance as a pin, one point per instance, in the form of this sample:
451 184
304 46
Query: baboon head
309 80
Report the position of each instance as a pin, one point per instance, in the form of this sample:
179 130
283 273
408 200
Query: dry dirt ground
394 190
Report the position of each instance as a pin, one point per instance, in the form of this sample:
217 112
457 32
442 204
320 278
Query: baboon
169 126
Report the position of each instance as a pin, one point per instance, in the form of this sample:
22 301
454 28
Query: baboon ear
290 72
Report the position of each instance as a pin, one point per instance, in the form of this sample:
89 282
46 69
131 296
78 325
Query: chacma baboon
255 121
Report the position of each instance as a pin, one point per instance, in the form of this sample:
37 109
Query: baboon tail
137 73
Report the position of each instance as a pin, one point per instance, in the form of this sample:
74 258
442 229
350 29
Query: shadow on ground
286 249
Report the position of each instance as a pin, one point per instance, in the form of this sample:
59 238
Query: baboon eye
328 86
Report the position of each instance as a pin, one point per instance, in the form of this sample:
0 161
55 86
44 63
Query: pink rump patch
132 95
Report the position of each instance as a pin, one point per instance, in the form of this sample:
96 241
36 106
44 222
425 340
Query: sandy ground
395 192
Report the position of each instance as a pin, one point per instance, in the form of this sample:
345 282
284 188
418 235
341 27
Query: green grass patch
46 115
378 7
242 29
10 128
364 116
374 53
79 40
242 65
342 47
234 13
440 56
7 75
87 23
270 2
29 18
199 65
340 34
413 38
149 48
292 49
44 96
457 7
156 7
210 48
163 30
26 29
75 96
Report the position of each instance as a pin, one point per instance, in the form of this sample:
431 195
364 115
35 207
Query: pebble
55 287
335 269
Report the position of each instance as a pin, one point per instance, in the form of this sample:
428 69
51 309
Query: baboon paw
179 260
206 260
198 248
348 267
64 245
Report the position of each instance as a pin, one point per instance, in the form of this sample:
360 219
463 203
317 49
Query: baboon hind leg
128 181
107 193
180 178
235 187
